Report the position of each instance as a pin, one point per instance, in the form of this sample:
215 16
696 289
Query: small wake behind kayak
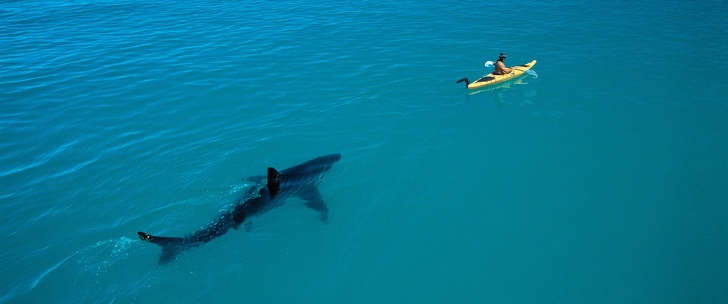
491 79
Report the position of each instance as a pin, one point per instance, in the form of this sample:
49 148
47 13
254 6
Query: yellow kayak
493 79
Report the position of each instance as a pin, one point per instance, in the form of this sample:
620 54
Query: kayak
491 78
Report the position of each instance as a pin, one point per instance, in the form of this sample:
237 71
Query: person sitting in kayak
500 67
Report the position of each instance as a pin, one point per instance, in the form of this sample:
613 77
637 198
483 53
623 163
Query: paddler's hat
503 56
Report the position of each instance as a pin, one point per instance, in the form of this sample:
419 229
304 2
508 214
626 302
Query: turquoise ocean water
602 180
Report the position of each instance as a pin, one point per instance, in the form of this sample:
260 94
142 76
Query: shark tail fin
274 182
171 246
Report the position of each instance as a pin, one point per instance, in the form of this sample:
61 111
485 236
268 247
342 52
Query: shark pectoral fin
171 246
312 199
274 182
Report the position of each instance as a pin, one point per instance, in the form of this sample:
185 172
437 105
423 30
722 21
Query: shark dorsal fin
274 182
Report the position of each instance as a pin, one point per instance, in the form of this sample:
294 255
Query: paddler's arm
504 69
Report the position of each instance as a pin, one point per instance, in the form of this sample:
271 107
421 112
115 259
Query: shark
299 181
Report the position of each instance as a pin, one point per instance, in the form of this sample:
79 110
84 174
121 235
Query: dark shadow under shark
297 181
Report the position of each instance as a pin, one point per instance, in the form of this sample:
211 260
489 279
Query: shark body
298 181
